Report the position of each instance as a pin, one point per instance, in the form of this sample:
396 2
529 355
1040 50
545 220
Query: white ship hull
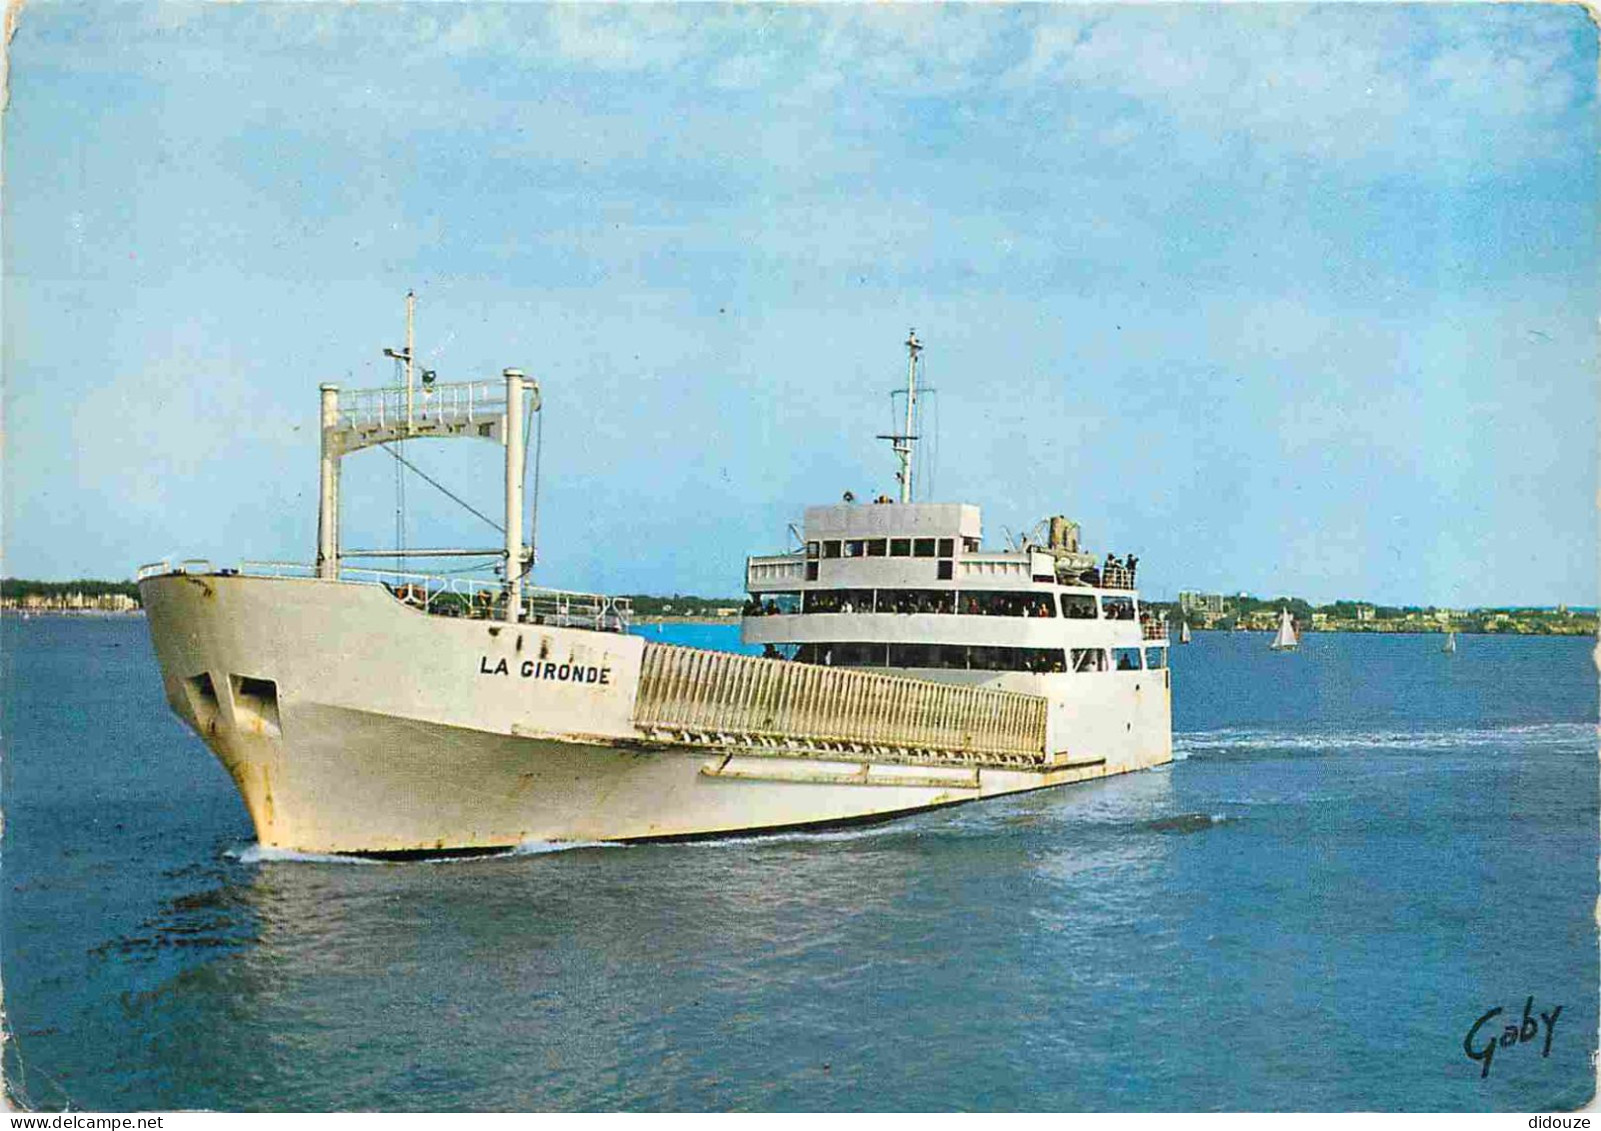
354 724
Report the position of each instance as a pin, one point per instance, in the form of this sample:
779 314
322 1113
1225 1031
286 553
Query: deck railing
468 402
476 598
720 692
1153 629
1117 577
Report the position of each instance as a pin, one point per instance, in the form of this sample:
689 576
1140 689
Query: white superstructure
395 713
909 589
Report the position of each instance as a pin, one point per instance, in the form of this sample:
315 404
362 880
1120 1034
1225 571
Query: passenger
770 653
772 609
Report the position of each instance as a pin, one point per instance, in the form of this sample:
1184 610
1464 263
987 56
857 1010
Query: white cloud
1348 84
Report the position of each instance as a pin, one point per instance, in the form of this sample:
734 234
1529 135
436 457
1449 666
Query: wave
258 854
1185 822
888 825
1192 743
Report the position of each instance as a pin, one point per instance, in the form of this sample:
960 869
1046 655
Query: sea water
1360 850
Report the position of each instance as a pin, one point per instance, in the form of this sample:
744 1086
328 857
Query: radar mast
904 441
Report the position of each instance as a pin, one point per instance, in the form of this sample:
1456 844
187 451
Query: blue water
1364 847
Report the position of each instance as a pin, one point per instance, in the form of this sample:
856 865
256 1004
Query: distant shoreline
660 619
1420 631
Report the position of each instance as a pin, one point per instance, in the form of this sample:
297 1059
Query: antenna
408 353
904 441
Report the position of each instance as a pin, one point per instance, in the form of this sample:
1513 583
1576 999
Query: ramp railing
690 689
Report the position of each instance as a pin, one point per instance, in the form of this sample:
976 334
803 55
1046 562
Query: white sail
1184 633
1286 639
1450 642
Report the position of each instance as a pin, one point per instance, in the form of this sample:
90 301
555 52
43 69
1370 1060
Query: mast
515 556
411 313
904 441
406 355
328 487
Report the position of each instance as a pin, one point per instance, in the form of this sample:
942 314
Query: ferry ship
395 714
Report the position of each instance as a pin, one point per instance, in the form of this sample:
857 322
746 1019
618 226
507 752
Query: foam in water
1185 822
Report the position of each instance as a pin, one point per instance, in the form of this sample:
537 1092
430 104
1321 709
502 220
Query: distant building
1364 612
1208 603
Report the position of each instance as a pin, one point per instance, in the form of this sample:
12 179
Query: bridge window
1155 659
938 657
875 547
969 545
855 548
916 601
1087 659
814 550
1078 606
923 548
847 655
831 549
1038 660
811 571
772 604
943 572
1126 659
947 547
838 601
900 547
986 603
928 656
1117 608
860 655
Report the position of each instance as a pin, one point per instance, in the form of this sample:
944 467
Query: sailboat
1286 640
1184 632
1450 642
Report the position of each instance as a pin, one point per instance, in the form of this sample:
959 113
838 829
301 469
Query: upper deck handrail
476 598
469 402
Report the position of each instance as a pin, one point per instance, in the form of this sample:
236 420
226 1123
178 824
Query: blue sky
1291 299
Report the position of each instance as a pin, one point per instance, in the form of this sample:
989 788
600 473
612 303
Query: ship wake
1222 743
